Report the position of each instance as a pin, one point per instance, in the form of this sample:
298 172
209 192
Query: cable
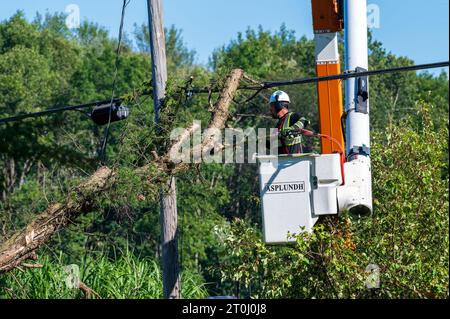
181 225
355 74
264 85
341 151
309 133
259 88
57 110
342 76
116 68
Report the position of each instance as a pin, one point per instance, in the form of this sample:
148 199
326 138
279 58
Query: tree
407 237
65 67
179 57
34 69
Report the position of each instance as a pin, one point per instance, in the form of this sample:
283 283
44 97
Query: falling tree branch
22 245
81 200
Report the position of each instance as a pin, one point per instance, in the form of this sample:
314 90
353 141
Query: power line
258 88
111 101
355 74
347 75
116 68
58 110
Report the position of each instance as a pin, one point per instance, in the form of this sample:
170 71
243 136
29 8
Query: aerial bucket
295 190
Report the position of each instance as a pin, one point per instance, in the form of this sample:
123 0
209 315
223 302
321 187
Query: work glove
287 133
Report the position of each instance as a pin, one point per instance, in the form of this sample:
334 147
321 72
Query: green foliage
263 54
179 56
126 277
407 237
43 64
395 94
267 56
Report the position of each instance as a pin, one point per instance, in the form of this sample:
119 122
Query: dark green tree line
43 64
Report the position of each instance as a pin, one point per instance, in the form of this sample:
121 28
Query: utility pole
168 205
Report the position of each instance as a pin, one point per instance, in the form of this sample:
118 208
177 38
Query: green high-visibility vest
292 140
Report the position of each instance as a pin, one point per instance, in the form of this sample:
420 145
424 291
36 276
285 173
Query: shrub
407 236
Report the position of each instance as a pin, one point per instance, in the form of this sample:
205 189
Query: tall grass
126 277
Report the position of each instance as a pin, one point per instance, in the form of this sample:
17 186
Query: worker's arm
296 123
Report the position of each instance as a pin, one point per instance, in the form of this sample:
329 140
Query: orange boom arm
327 22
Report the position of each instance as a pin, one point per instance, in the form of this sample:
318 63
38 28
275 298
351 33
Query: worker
288 122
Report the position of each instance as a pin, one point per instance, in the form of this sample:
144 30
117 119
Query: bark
169 234
22 245
88 292
10 176
25 170
81 200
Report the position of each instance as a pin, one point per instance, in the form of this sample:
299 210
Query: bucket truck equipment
297 189
327 23
356 194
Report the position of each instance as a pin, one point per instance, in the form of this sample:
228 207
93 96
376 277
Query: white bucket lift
295 191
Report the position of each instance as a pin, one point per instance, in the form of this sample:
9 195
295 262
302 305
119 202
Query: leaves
43 64
407 236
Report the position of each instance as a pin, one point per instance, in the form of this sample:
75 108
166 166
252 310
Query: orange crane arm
327 23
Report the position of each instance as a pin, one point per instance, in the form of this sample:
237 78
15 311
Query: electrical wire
55 110
355 74
116 69
180 256
309 133
343 76
341 151
259 88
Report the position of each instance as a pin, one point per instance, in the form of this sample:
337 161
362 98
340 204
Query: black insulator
101 114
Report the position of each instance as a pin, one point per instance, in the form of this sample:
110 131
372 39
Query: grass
126 277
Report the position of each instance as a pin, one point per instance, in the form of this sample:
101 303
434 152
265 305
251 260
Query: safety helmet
280 100
279 96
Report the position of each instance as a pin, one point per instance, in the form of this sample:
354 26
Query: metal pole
356 56
168 213
356 195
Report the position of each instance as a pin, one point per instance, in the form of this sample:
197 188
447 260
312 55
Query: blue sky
414 28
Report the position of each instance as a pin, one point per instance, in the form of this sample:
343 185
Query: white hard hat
279 96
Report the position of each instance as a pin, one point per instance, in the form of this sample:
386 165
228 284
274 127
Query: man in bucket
288 122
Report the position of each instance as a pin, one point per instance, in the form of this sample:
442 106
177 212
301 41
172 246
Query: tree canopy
43 65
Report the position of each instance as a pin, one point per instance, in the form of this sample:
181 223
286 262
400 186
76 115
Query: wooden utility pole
168 213
81 200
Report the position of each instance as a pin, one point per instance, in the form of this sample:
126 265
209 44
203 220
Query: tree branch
81 200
